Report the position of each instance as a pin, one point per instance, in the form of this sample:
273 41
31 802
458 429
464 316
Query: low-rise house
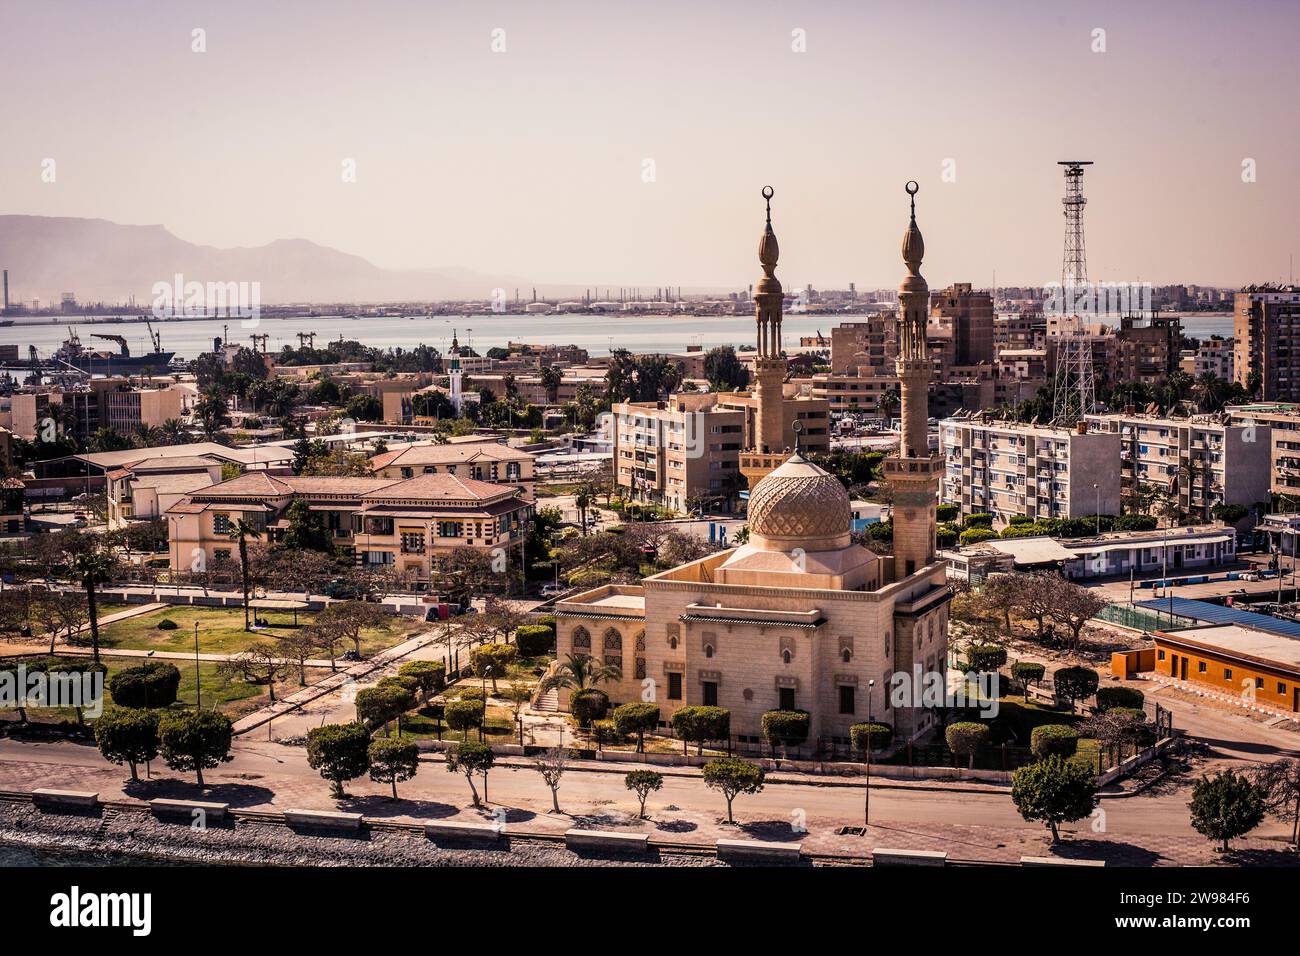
482 461
405 524
144 490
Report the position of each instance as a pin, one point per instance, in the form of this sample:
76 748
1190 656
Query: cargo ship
121 362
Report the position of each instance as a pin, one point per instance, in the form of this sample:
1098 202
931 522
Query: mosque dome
800 504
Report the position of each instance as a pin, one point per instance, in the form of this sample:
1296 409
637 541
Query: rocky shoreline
129 837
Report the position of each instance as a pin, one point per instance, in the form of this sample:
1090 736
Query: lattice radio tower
1074 392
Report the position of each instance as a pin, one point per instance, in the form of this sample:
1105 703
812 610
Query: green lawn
234 698
221 630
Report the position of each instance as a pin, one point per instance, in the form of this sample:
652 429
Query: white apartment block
1008 469
1206 460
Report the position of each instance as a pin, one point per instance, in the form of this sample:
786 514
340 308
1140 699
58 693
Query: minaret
454 376
770 446
914 471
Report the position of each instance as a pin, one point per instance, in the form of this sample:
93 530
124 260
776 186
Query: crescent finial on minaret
768 250
913 244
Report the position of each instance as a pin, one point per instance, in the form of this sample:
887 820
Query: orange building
1234 660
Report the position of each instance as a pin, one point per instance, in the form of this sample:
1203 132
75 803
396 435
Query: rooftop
1237 639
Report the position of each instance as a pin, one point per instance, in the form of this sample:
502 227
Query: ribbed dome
800 502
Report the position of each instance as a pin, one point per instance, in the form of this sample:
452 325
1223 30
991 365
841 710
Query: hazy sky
530 162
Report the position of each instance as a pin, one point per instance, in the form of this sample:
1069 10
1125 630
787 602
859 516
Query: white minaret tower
455 374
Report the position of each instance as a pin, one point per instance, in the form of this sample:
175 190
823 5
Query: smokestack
6 290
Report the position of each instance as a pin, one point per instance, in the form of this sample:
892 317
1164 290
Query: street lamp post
482 720
198 683
866 798
1097 488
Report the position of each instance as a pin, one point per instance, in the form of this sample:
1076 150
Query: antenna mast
1074 391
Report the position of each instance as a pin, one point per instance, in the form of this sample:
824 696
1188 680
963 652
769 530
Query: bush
978 520
546 620
431 676
167 624
471 693
534 640
145 685
878 735
946 512
1135 523
975 536
785 728
1024 530
1126 697
588 704
1027 672
1020 519
1054 740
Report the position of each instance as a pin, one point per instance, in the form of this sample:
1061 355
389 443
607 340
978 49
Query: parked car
551 590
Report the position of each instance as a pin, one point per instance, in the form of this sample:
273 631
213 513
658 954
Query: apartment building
407 525
1266 341
1146 350
486 460
81 411
13 517
673 451
967 317
1009 469
1212 356
1207 460
1283 422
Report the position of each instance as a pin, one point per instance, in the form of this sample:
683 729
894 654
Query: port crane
306 337
260 338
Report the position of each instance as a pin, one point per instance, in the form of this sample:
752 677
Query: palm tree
582 500
551 378
581 671
174 432
92 568
241 531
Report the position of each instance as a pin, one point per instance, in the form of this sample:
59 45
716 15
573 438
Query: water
597 334
31 856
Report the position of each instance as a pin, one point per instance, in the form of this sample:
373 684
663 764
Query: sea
598 334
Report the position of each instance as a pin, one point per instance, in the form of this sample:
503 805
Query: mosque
799 617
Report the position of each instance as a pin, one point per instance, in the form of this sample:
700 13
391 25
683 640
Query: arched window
708 650
640 641
847 655
581 639
613 640
672 642
785 656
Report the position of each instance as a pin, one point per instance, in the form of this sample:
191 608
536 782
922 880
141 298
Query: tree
697 724
298 646
551 379
1075 683
152 684
785 728
195 740
724 370
733 777
378 705
643 783
1027 672
340 752
126 735
470 758
353 617
491 660
1226 806
306 531
965 739
986 658
329 637
1279 782
66 609
463 715
241 531
1047 740
551 764
636 718
392 760
872 735
519 696
534 640
211 412
259 664
588 705
1131 697
430 675
581 671
92 568
1074 606
1054 791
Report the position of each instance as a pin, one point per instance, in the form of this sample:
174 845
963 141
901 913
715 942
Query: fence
1143 619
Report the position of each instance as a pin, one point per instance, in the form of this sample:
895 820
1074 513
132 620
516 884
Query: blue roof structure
1209 613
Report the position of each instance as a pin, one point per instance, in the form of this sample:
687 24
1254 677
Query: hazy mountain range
102 261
